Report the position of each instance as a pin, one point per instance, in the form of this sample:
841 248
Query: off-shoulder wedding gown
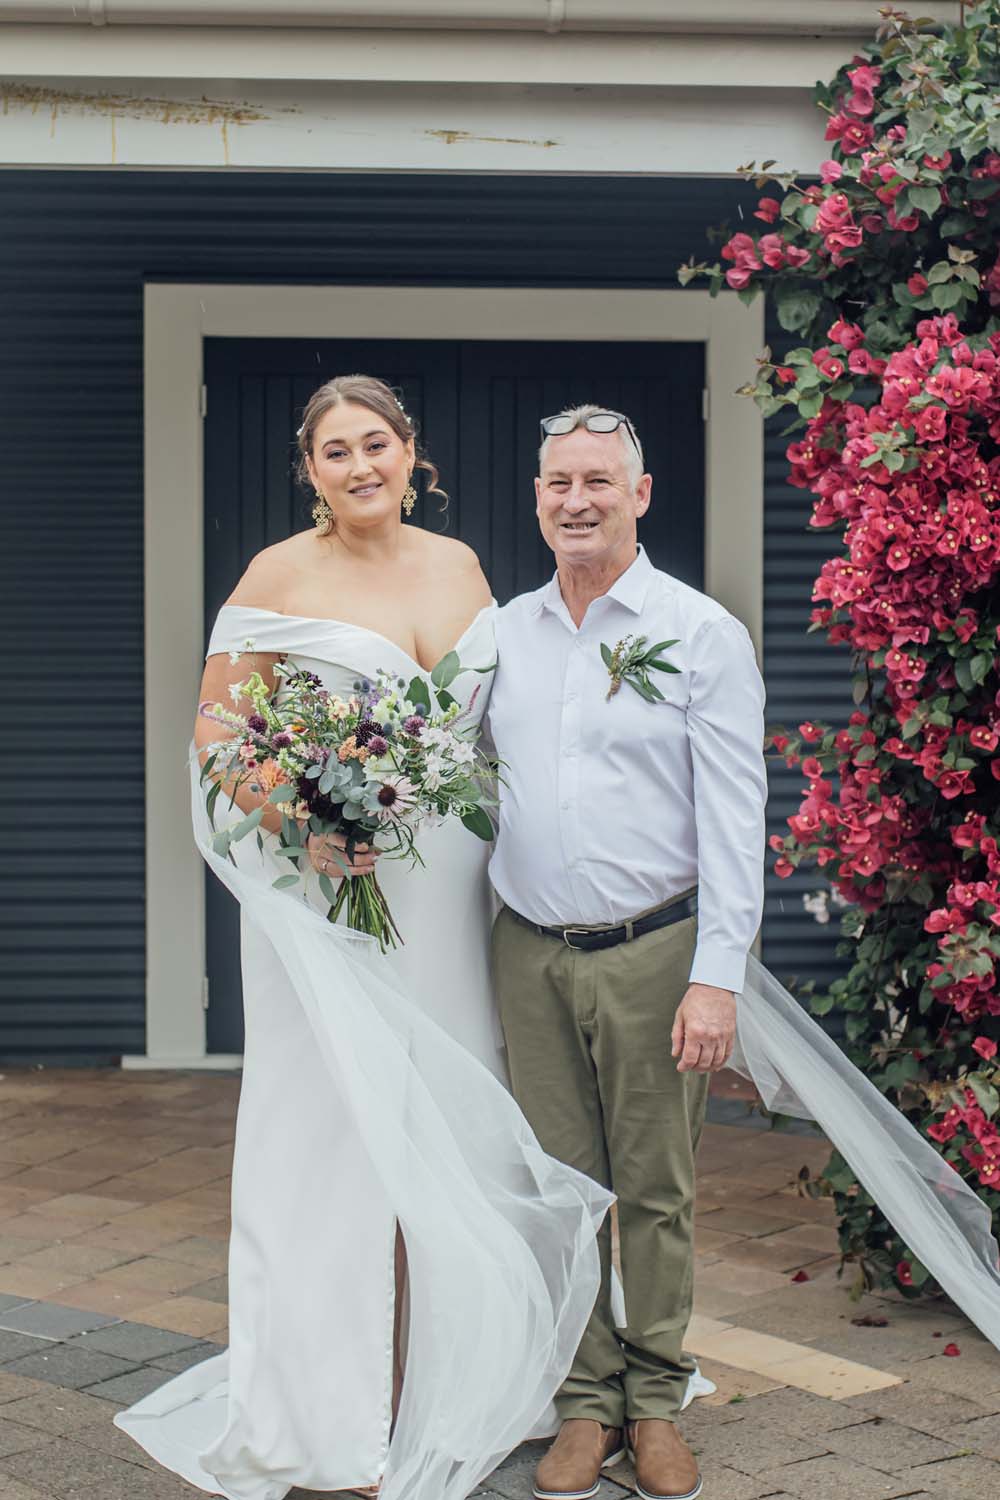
372 1094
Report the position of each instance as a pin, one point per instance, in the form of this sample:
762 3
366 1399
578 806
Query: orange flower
351 750
270 775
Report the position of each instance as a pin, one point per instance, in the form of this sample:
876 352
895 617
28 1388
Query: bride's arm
219 676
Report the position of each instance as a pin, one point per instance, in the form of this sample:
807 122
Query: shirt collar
630 589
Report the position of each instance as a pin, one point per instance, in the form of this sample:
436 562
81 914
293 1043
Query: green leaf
248 825
284 793
661 665
942 270
418 694
811 406
947 296
954 225
606 655
865 754
477 821
328 888
221 841
927 199
446 670
797 308
963 674
445 700
284 882
981 665
986 1095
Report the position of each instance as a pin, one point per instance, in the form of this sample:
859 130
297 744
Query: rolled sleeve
725 726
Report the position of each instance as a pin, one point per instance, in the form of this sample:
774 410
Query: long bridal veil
798 1070
500 1238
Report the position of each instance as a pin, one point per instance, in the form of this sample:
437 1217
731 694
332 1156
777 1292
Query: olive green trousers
588 1046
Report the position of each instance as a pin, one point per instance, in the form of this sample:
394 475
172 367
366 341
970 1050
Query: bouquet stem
363 901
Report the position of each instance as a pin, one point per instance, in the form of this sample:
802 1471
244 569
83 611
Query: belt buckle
567 930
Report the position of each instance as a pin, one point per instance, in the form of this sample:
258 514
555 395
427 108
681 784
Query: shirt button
564 806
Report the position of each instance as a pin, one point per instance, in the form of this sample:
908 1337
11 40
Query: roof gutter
726 17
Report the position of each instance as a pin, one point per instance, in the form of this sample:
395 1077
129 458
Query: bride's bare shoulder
270 576
451 562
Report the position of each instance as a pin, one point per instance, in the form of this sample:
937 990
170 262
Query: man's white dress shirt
610 808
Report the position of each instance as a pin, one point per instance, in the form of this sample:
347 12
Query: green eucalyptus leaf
248 824
287 792
446 670
284 882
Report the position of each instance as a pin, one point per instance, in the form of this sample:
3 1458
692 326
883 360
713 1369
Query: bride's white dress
371 1093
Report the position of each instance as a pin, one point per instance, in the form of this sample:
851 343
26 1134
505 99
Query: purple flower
378 744
367 727
257 724
414 724
281 740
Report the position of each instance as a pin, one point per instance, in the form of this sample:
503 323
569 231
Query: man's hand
704 1029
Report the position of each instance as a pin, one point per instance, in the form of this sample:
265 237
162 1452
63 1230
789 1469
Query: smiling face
359 465
588 503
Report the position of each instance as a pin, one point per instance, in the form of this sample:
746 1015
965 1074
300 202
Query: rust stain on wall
455 137
202 111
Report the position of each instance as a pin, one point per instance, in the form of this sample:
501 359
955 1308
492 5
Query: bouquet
374 768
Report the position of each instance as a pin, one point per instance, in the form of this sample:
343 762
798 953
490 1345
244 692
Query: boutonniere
631 661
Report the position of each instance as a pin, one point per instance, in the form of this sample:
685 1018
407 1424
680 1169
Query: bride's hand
328 856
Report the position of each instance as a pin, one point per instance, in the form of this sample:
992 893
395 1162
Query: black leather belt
587 939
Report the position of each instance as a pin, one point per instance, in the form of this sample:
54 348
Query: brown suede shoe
665 1467
571 1470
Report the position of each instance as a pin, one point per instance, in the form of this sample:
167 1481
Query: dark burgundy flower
257 724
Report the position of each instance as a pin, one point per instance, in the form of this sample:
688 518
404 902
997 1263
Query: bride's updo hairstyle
362 390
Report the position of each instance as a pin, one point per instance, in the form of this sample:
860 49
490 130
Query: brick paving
113 1227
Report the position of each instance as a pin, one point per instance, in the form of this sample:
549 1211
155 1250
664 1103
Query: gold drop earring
409 498
322 515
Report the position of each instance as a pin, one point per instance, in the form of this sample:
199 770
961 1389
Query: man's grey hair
632 452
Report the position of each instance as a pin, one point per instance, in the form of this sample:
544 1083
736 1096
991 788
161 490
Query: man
630 862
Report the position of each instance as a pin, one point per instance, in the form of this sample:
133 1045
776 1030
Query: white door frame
178 317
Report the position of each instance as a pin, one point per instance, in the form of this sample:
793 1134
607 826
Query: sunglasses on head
601 421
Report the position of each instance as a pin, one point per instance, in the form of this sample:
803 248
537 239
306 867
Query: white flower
816 904
434 768
234 692
248 645
462 753
436 738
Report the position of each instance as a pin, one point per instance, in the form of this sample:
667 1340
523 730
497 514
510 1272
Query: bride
390 1207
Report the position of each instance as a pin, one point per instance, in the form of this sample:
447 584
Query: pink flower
830 171
917 284
825 362
772 250
810 732
796 256
904 1273
834 212
768 209
848 335
987 1050
938 163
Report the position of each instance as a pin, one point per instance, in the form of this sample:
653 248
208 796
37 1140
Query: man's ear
538 495
643 494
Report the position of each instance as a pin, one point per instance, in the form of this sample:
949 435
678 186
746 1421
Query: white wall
380 100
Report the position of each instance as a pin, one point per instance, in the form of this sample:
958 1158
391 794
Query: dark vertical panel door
477 406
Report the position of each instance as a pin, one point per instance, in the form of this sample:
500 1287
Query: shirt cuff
723 967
